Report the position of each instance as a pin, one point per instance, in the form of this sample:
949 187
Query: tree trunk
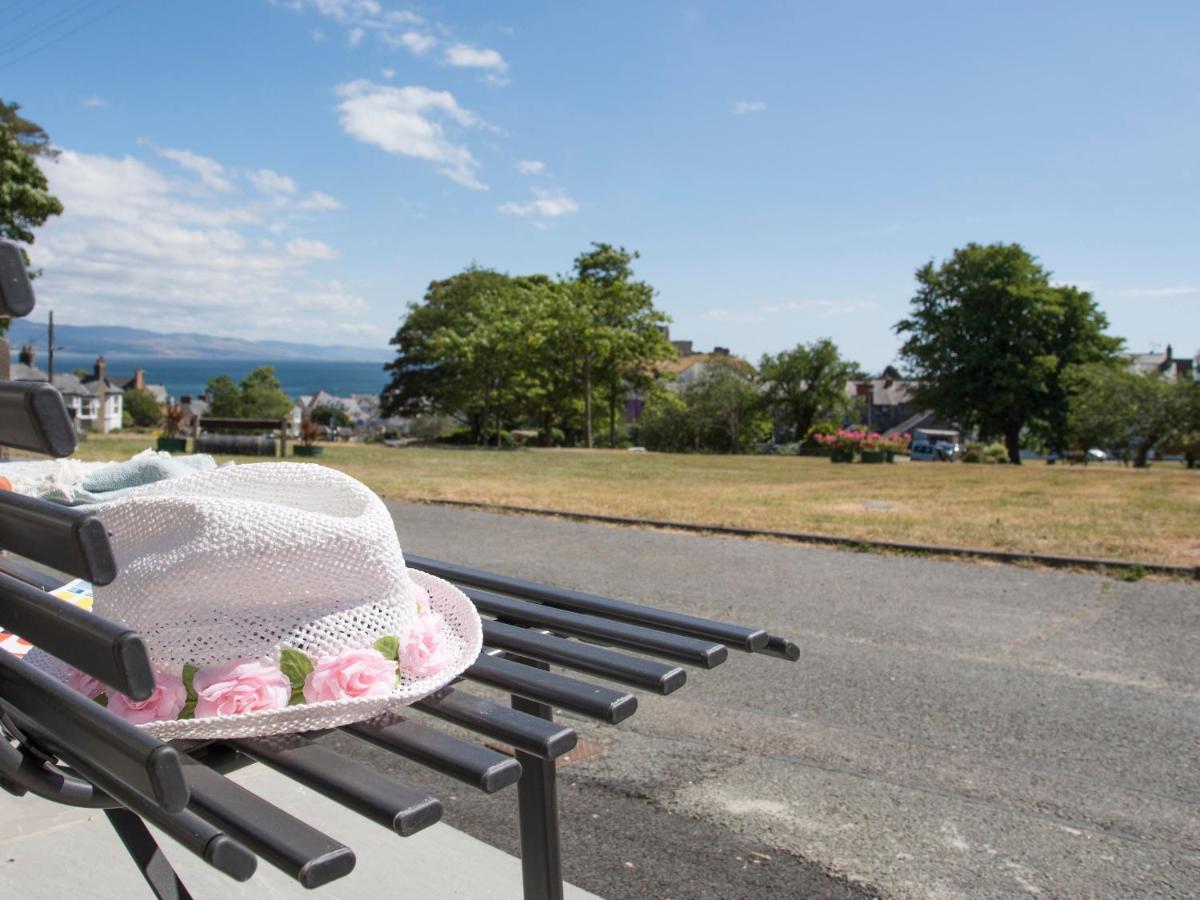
612 418
587 398
1143 454
1012 441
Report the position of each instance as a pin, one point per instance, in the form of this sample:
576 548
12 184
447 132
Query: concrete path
951 729
49 852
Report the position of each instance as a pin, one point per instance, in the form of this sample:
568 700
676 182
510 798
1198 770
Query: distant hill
115 341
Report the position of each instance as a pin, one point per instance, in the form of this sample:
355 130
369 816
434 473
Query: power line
64 35
35 6
46 24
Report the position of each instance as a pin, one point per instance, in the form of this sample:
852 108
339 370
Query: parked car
925 453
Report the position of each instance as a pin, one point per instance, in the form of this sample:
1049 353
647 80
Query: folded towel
72 484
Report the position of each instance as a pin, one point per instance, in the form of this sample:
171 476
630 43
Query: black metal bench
56 744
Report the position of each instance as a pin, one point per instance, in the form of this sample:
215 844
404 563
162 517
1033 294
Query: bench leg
149 857
537 803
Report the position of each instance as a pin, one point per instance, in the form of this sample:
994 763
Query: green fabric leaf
388 646
296 666
102 699
189 707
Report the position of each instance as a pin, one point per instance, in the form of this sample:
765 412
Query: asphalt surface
950 730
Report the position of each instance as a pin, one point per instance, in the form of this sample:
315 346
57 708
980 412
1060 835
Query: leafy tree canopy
989 338
806 383
142 407
258 397
1127 413
334 417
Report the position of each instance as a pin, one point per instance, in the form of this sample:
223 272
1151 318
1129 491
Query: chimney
26 355
101 370
1170 355
139 379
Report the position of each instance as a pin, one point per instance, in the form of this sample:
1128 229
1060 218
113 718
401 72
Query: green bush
433 427
986 454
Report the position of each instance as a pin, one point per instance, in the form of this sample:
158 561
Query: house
93 401
137 381
687 368
1168 365
888 401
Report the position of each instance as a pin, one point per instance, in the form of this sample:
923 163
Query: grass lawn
1148 515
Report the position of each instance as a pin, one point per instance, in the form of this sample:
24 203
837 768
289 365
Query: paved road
951 729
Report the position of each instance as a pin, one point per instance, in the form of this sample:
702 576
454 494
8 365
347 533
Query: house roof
683 363
22 372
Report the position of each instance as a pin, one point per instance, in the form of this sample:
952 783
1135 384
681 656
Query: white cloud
318 200
267 181
93 103
303 248
742 107
318 35
138 244
825 307
411 121
530 166
354 36
544 206
210 172
467 56
388 73
733 316
1182 290
414 41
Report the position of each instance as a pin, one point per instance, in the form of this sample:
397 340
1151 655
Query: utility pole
50 364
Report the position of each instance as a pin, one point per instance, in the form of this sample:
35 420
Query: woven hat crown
237 562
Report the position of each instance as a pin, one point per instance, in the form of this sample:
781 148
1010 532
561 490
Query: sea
188 377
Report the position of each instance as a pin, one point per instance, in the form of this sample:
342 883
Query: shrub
432 427
987 454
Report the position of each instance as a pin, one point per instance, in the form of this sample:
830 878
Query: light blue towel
109 482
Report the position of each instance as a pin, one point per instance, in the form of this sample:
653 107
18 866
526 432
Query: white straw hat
272 597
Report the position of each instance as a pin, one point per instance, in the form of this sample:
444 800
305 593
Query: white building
93 401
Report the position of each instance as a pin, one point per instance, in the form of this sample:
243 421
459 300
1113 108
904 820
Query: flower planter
872 456
841 456
889 456
172 444
307 450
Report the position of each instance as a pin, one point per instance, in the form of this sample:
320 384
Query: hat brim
462 637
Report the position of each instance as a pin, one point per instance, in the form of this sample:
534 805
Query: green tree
805 383
623 331
25 199
142 407
1127 413
989 337
447 357
226 398
30 135
332 416
667 423
262 396
726 409
1185 434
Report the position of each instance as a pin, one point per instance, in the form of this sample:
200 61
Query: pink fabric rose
165 703
85 684
423 652
242 686
354 673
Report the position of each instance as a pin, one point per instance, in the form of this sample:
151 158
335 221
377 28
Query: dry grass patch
1149 515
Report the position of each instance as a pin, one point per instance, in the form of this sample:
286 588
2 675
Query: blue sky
301 170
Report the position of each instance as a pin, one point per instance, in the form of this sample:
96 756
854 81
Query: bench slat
530 734
552 689
70 540
737 636
622 667
33 417
622 634
357 786
83 730
474 765
103 649
292 846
